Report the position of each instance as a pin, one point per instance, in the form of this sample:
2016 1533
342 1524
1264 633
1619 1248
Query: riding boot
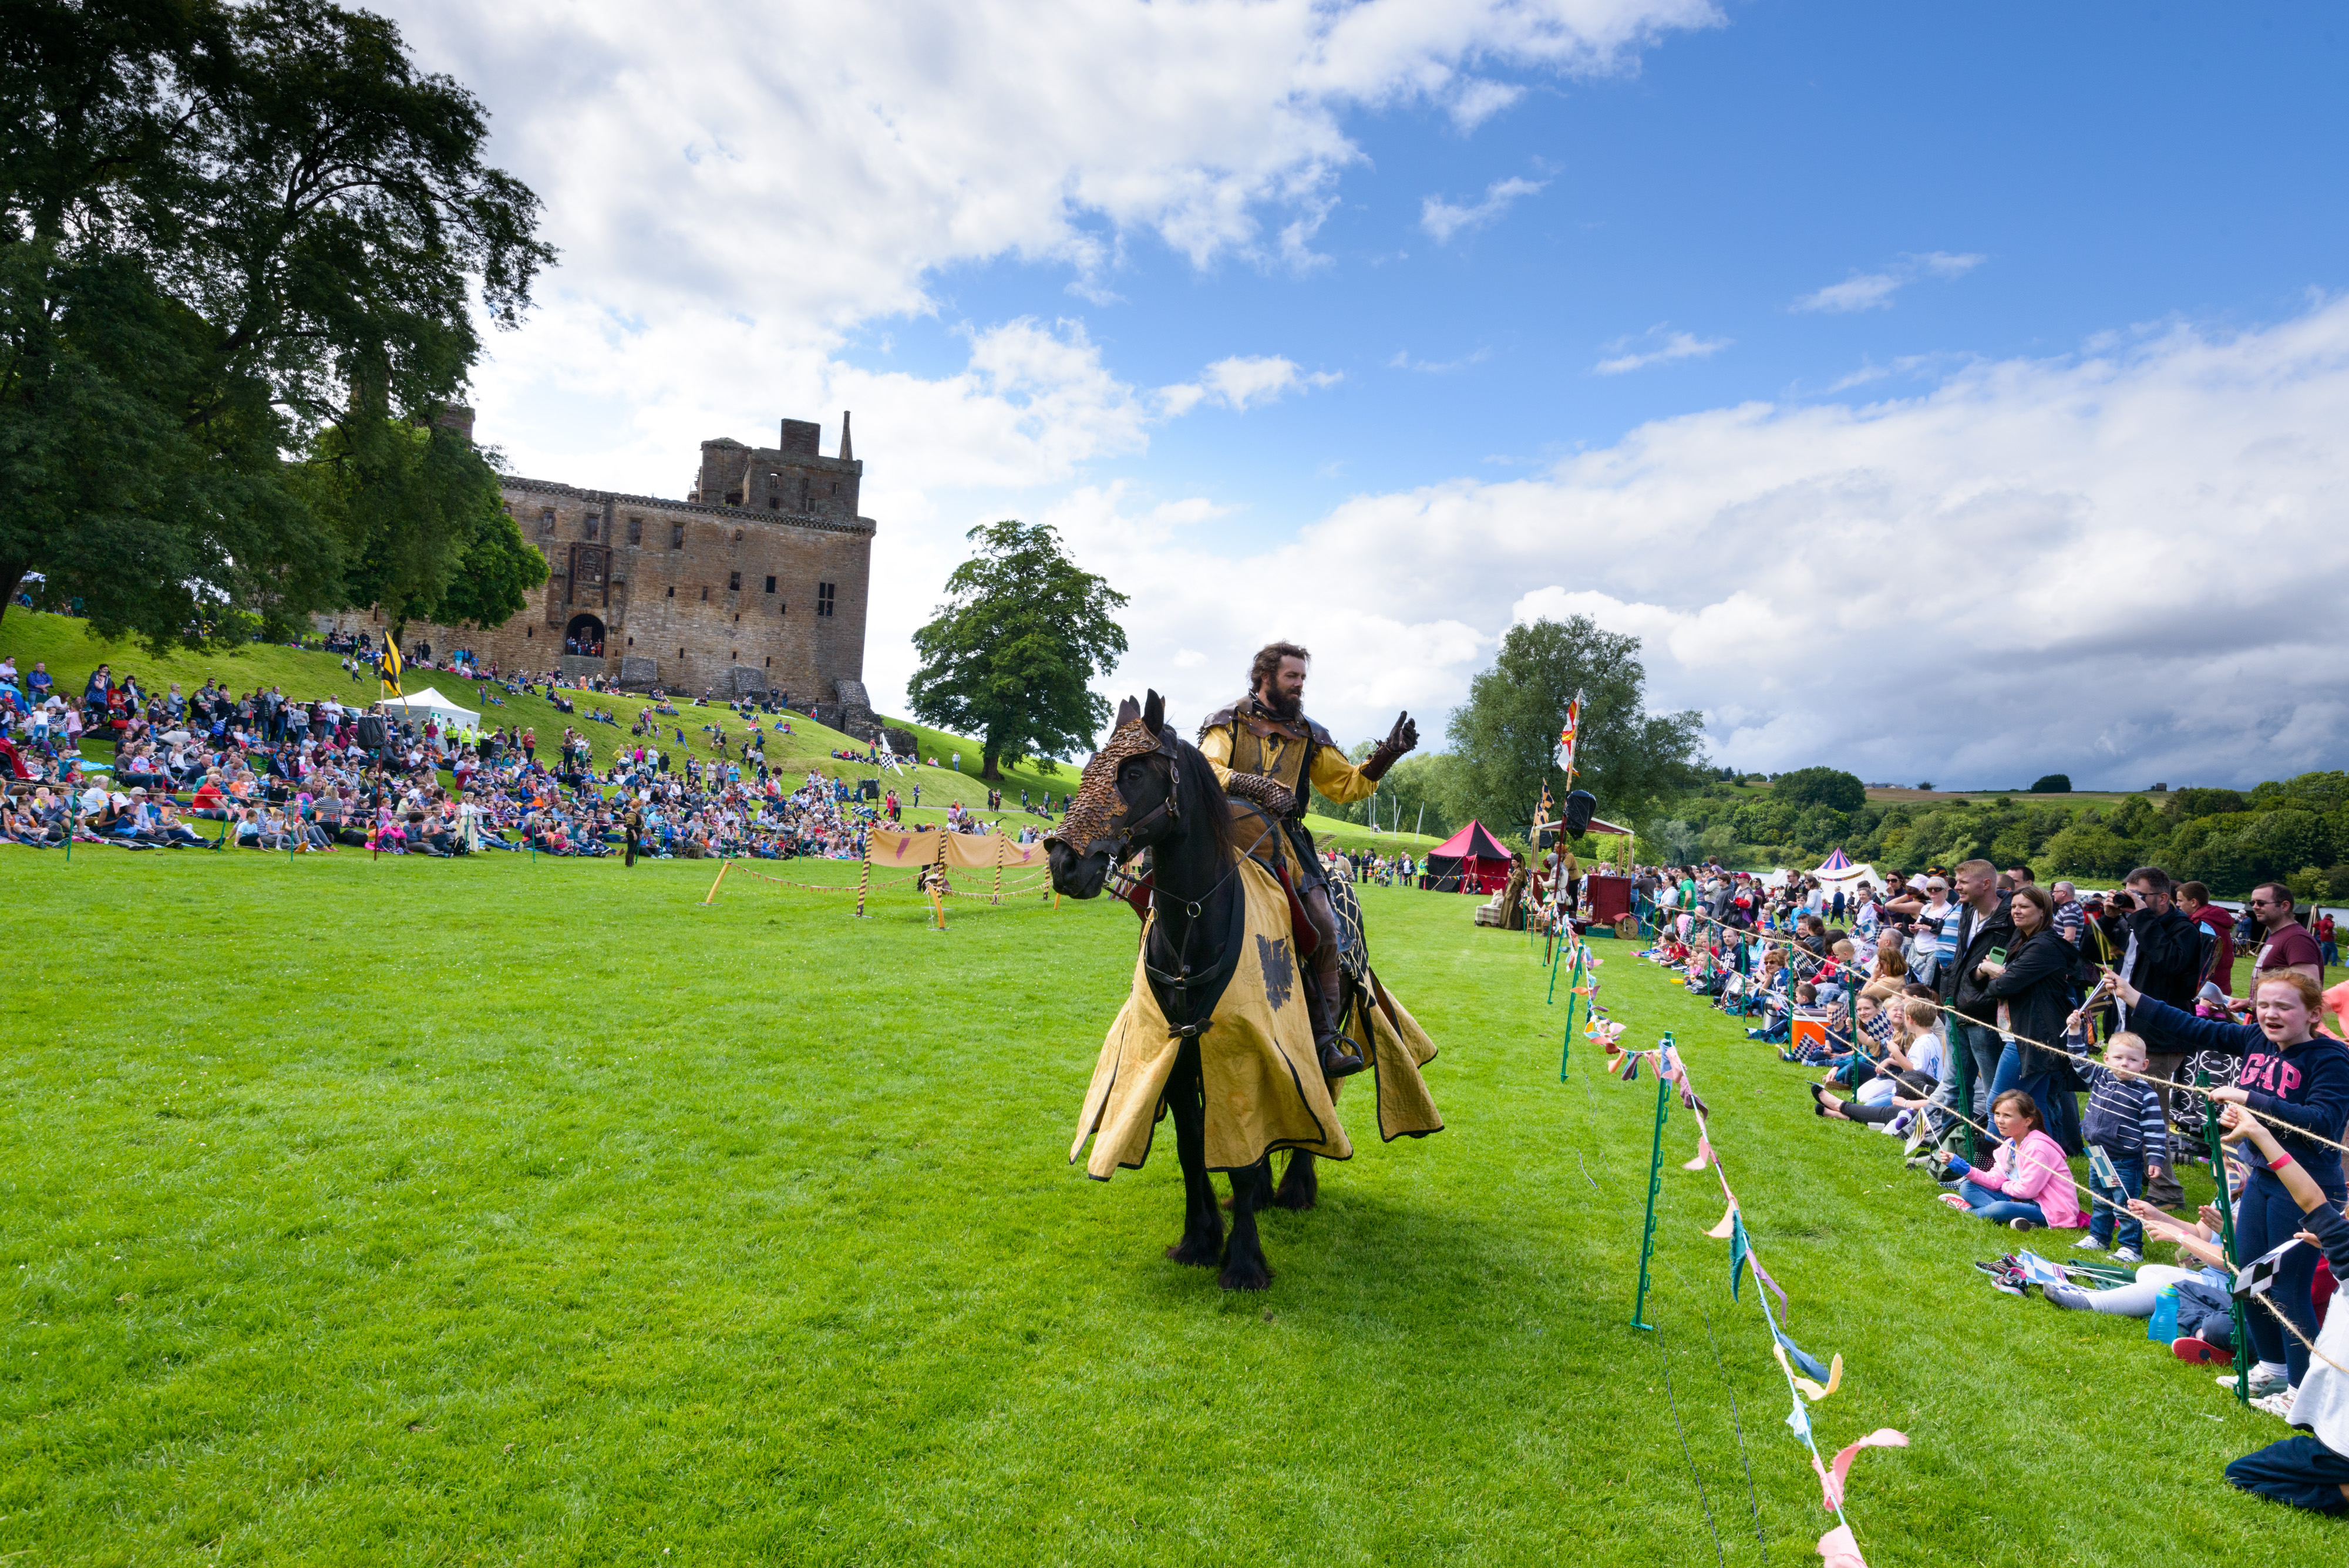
1340 1057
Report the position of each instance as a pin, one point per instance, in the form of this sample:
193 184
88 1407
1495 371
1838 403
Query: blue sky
1793 338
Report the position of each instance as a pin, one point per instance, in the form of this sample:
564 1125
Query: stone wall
688 594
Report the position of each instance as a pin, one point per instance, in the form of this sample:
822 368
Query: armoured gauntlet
1265 792
1400 739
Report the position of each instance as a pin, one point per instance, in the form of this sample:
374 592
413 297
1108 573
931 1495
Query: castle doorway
583 637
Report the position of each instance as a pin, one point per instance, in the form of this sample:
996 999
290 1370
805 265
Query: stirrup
1337 1062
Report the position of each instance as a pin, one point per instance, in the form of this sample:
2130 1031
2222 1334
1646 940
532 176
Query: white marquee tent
418 706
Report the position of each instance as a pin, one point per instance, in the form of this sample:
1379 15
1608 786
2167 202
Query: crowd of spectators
1973 1012
265 770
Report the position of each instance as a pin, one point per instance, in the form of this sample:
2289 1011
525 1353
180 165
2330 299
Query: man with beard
1265 750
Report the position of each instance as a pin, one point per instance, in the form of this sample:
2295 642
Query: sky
1950 394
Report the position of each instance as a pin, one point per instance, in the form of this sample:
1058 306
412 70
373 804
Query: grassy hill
71 652
517 1239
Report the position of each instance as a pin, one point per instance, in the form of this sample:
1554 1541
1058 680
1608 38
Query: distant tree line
2294 831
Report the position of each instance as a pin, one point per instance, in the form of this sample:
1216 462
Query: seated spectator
2029 1185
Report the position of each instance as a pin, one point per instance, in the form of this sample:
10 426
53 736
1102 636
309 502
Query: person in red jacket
2194 898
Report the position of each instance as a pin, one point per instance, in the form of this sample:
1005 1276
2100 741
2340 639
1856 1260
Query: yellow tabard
1264 1087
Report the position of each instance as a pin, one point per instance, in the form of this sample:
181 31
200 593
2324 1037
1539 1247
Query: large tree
422 523
1011 655
226 231
1506 731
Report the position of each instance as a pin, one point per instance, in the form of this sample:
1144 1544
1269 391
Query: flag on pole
1541 812
1565 736
391 667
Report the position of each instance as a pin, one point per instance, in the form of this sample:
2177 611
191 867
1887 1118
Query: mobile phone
1997 955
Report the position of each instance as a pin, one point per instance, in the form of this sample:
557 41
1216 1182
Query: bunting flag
391 668
1833 1477
1840 1550
1722 1232
1739 1251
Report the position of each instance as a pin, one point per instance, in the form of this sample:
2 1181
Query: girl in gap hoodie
2297 1077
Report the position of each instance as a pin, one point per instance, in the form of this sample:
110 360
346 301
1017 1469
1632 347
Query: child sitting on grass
2125 1119
2029 1185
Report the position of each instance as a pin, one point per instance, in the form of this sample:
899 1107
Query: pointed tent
1471 861
1840 871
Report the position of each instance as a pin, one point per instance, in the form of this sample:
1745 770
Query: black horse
1148 789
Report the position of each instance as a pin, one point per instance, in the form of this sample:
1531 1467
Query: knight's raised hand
1400 739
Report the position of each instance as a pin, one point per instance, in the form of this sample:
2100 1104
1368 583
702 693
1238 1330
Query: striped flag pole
864 877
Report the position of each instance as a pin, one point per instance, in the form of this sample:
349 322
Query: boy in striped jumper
2125 1118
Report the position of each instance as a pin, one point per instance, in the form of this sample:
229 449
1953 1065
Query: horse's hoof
1246 1277
1194 1255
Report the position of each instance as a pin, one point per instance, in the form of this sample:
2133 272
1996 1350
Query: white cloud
1943 264
735 188
1445 219
1863 291
2115 565
1874 290
1241 380
1670 346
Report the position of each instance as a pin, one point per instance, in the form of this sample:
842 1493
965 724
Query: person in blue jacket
2299 1081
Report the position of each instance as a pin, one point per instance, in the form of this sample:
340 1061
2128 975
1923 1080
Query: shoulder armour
1217 718
1320 736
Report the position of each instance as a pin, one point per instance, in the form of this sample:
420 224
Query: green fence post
1566 1049
1655 1186
2227 1237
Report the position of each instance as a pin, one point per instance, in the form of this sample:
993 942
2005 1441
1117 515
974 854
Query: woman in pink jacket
2030 1185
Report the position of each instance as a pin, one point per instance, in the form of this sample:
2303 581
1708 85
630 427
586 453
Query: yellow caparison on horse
1215 1030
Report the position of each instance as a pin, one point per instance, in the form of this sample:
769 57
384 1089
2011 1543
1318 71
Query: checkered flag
2258 1276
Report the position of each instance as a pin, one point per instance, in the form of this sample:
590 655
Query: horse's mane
1195 777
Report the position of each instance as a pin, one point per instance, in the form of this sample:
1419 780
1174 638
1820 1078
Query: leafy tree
1011 654
1669 843
1506 731
224 229
1830 788
421 522
2189 804
2052 784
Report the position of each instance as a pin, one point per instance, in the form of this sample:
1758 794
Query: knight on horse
1216 1031
1268 754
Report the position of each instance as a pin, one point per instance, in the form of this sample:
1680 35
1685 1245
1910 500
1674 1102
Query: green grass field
71 652
407 1211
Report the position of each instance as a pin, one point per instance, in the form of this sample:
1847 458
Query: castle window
672 592
705 595
589 522
804 482
771 661
529 631
546 521
770 585
733 582
774 504
677 535
836 487
824 598
632 642
636 530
